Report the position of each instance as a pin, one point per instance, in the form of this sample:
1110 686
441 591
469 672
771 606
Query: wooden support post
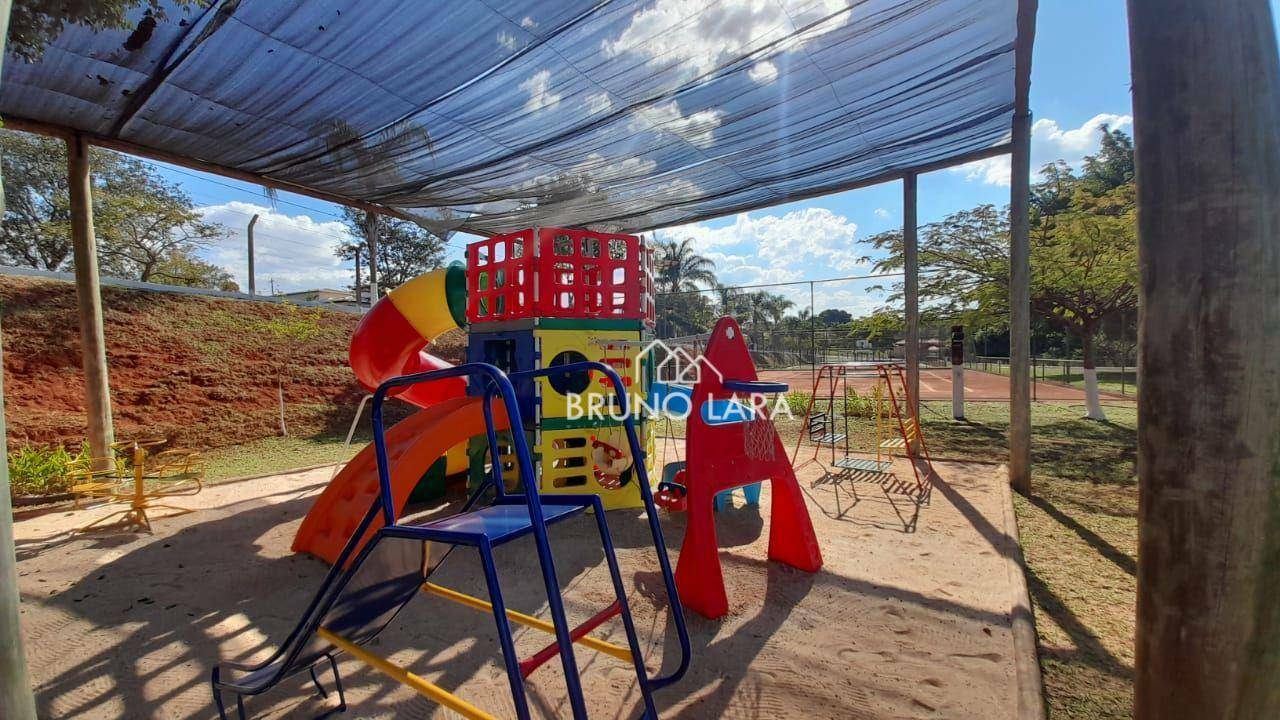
16 700
93 347
1206 101
911 291
1020 257
371 239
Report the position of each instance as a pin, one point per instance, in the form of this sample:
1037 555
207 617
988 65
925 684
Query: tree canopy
1083 250
405 250
147 228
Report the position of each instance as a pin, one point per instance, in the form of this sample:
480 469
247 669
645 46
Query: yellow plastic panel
591 345
569 459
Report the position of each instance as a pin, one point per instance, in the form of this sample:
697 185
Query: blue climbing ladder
359 597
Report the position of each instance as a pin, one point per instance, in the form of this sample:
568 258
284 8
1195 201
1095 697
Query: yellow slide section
413 445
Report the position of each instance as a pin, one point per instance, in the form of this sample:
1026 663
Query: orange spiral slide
390 341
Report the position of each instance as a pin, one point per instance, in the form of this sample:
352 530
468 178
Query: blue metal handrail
651 510
500 382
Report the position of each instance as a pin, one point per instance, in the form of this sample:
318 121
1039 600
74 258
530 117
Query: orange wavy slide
391 340
413 444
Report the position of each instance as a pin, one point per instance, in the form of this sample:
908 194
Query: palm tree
680 269
729 299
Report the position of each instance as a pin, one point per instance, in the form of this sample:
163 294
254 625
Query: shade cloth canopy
489 116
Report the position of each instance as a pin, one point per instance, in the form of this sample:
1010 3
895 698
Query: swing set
895 426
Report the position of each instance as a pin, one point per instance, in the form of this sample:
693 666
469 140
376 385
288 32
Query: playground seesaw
372 580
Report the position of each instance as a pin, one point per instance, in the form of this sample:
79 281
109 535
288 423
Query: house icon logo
674 364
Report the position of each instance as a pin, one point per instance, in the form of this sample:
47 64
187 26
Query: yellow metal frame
404 677
178 468
529 621
434 692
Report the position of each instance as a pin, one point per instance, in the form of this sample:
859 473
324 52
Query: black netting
504 114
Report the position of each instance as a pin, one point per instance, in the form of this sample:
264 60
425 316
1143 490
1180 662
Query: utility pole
371 238
358 277
252 221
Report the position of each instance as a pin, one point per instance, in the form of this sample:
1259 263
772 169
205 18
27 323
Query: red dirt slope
195 369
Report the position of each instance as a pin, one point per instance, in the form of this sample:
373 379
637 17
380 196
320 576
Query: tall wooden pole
371 239
93 347
911 290
1020 257
1206 100
16 700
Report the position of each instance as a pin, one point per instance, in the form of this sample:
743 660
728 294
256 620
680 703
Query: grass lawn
272 455
1079 534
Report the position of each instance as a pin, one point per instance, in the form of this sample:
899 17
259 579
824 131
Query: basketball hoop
758 435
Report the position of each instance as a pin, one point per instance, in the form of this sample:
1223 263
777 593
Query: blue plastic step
499 523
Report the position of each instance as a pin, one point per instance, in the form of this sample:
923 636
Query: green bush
865 406
39 470
797 402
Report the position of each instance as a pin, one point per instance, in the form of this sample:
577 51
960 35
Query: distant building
321 295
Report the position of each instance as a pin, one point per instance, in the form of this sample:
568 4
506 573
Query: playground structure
889 399
532 300
722 456
385 562
141 481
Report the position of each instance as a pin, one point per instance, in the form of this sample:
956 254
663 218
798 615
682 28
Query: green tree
679 268
405 250
182 266
36 230
149 229
834 316
684 313
1083 254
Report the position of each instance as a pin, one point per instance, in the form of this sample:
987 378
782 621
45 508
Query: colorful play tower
545 297
530 300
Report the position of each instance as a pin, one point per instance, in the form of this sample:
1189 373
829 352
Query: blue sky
1080 79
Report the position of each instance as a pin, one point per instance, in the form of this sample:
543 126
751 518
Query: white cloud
528 23
702 37
508 41
778 248
763 72
295 251
698 128
882 213
1049 142
539 88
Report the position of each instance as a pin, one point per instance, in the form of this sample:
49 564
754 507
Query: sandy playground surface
909 618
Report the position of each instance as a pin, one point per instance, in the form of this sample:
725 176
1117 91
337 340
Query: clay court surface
909 618
935 384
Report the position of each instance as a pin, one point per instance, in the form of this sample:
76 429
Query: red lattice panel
564 273
500 278
584 274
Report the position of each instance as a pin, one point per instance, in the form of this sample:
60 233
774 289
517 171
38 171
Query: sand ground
909 618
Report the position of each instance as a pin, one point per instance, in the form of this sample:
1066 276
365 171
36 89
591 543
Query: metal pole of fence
813 338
